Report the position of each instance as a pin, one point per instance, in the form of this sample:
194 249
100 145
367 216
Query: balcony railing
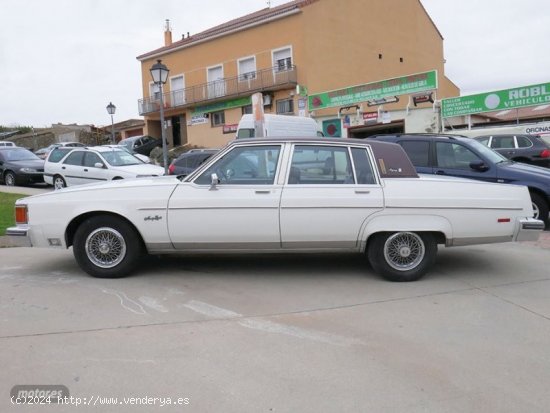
245 84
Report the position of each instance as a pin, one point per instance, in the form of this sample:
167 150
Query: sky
65 60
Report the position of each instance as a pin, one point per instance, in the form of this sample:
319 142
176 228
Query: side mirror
98 165
479 166
215 181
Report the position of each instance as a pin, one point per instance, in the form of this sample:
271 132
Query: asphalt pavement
289 333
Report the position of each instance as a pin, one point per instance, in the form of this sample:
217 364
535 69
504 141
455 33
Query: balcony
243 85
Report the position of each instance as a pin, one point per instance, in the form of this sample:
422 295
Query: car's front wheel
402 256
106 246
59 182
9 178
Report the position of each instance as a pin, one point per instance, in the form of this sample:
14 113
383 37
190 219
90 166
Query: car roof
417 136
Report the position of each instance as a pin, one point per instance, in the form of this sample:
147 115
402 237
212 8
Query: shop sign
228 104
498 100
419 82
370 117
230 128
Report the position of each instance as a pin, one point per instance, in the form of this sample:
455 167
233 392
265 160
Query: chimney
167 33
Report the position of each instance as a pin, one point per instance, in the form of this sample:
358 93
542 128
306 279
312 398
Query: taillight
545 153
171 169
21 214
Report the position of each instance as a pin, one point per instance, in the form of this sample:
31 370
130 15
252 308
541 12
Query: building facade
288 52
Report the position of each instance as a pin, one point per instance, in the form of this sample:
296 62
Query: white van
7 143
279 125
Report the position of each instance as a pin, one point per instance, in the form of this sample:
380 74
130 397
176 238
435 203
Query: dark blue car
455 155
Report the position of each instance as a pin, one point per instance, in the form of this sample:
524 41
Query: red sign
370 117
230 128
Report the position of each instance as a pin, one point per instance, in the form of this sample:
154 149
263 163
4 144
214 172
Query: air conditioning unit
268 100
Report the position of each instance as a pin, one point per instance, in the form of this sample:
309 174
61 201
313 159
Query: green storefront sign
419 82
228 104
499 100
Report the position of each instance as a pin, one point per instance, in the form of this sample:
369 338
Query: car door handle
85 169
440 172
62 167
361 191
263 191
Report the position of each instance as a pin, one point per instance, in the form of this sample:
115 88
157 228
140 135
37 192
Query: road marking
269 326
154 304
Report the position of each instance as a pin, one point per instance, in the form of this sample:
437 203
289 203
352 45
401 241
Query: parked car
141 144
7 143
19 166
86 165
43 152
531 149
281 195
189 161
455 155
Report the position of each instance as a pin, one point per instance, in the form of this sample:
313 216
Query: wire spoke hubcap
536 211
403 251
105 247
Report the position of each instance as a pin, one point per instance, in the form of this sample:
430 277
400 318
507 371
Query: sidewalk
26 190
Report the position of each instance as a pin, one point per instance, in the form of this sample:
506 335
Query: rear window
57 154
392 161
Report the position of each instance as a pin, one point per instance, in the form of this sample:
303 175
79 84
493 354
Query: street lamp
159 72
111 111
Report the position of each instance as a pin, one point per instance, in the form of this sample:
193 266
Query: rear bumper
529 229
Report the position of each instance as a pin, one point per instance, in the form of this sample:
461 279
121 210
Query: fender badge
155 218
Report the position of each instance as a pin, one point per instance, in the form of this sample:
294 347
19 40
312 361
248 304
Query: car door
456 159
327 198
241 211
71 168
91 171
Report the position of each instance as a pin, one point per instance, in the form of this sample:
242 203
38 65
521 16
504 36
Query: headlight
28 170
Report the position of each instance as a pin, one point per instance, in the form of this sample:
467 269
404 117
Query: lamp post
111 111
159 72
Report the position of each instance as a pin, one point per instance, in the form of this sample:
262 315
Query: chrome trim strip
462 207
457 242
202 208
152 209
226 245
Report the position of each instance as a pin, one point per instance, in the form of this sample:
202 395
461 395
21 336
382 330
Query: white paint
210 310
127 303
270 326
154 304
12 268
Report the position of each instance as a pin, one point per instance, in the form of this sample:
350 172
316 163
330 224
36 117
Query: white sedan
88 165
281 195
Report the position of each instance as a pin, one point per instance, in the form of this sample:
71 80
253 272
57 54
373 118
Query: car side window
74 158
363 167
248 165
90 159
500 142
454 156
57 154
523 142
320 165
418 152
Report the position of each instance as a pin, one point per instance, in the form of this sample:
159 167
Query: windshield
488 153
20 154
118 157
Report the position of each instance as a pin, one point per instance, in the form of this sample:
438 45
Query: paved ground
282 334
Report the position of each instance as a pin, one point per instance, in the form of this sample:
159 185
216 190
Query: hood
524 171
31 163
140 183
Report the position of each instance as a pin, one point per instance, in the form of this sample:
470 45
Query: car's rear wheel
59 182
107 247
540 208
9 178
402 256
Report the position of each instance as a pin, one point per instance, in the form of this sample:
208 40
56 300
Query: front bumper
529 229
22 235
